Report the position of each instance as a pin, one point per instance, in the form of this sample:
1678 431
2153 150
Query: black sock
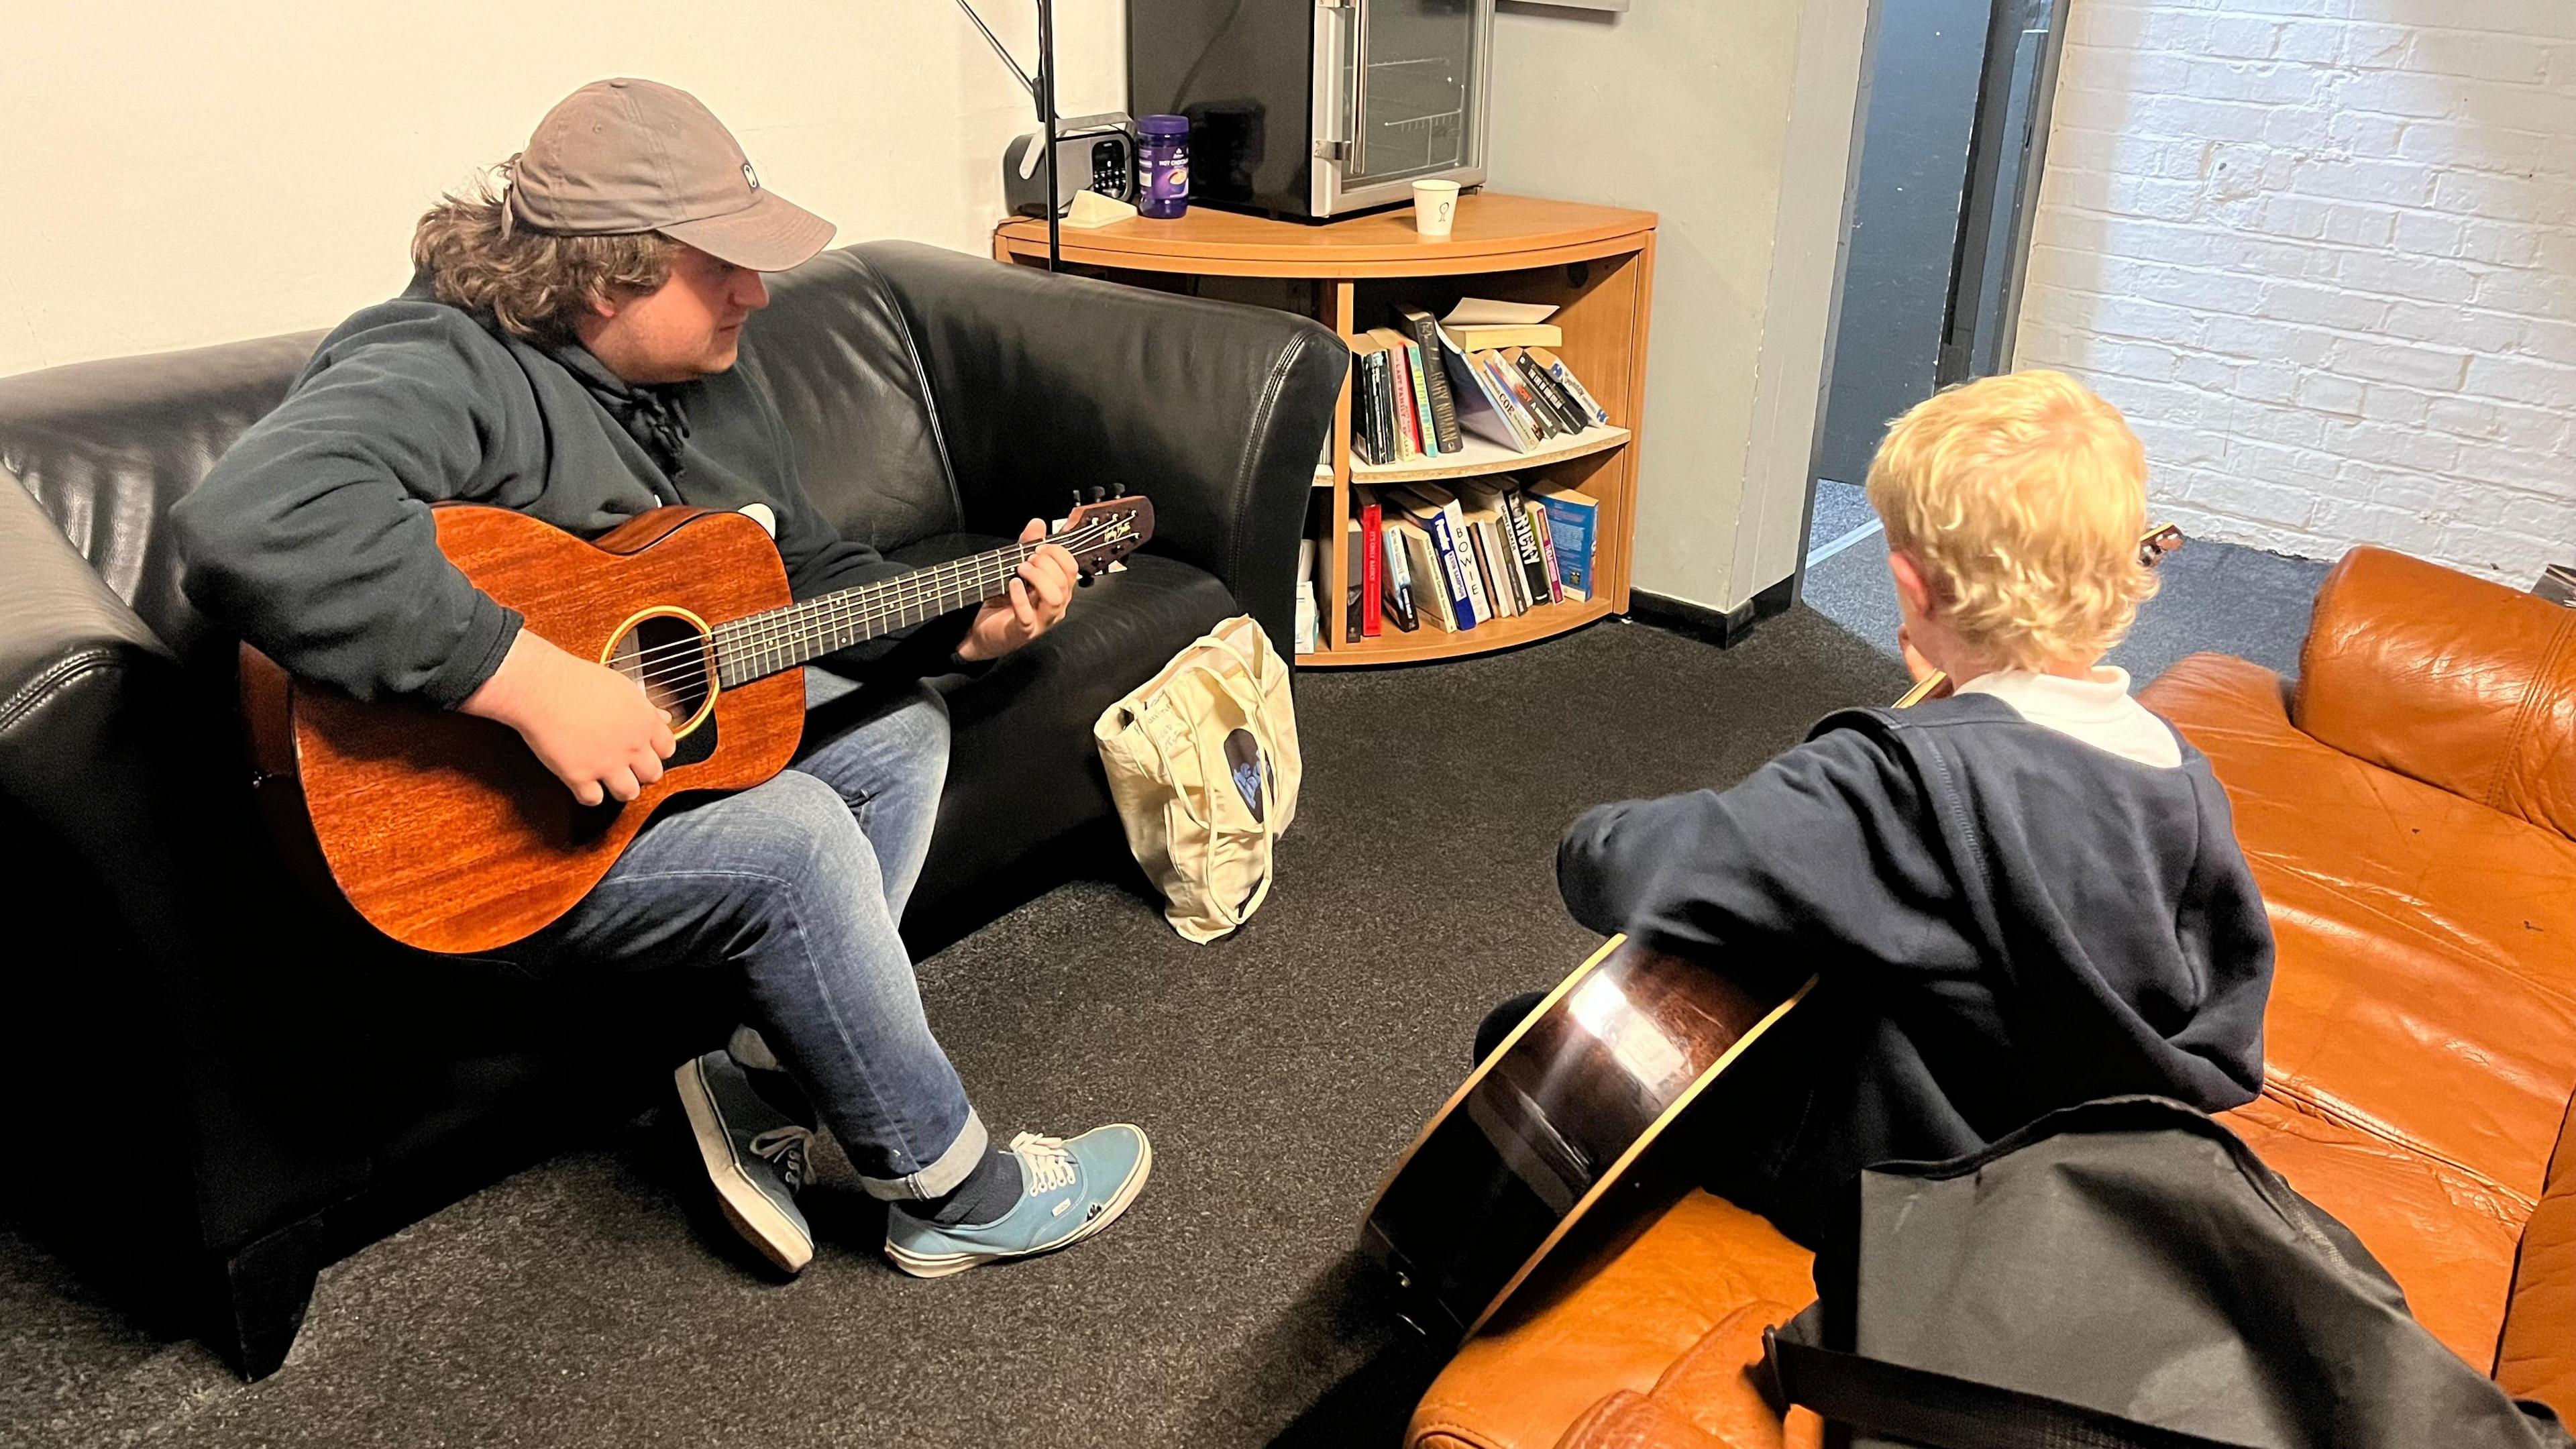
987 1193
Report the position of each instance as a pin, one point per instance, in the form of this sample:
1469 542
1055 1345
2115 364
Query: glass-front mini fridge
1314 109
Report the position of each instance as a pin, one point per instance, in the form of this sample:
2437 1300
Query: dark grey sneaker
755 1157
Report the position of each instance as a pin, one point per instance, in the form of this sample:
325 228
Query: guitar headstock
1103 531
2160 540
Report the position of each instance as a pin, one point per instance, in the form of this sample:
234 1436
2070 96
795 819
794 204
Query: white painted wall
1733 122
2323 253
184 173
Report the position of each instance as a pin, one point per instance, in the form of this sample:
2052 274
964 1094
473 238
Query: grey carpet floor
1279 1072
1840 508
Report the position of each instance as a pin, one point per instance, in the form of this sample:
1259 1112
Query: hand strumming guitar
1035 601
586 722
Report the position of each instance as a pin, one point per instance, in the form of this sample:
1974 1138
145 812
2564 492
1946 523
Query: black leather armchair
295 1087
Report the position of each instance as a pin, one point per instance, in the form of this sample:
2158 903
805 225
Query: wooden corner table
1594 264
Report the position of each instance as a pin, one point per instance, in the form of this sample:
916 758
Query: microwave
1312 109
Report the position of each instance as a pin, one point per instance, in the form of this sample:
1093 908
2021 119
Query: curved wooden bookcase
1596 264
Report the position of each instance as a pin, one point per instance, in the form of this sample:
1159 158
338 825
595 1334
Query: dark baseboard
1723 628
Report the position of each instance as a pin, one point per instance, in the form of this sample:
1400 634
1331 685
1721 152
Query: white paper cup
1435 205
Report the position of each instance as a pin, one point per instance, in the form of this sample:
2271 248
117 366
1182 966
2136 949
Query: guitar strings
870 606
903 593
745 641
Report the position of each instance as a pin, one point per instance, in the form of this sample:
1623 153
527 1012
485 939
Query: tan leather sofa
2408 808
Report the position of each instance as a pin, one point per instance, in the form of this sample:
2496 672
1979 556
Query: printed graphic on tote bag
1243 753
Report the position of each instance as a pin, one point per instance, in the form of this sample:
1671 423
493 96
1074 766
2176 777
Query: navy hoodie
2005 920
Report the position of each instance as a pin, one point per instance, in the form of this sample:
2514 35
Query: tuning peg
1118 489
1077 498
1098 493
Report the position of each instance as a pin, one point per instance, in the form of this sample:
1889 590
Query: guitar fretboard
763 644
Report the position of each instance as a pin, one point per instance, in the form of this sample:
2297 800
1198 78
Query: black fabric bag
2123 1273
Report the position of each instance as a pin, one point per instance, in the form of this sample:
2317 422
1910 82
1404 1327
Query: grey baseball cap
636 155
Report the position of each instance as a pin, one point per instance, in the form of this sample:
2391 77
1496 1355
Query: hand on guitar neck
1031 605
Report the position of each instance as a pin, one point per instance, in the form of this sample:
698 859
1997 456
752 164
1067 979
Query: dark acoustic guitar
445 831
1558 1116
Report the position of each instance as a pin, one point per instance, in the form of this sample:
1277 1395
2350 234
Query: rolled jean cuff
940 1178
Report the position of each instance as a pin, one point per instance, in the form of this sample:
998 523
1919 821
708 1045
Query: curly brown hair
533 282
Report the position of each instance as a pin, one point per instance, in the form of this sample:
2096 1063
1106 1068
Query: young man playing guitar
567 350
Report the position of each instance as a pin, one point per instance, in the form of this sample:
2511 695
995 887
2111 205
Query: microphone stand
1042 91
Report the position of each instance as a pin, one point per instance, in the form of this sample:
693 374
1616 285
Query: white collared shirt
2096 710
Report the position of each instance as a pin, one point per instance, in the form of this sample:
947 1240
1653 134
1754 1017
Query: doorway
1954 127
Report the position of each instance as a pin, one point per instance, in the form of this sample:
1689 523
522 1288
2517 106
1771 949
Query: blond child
2022 896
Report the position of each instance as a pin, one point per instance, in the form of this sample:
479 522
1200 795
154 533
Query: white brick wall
2323 253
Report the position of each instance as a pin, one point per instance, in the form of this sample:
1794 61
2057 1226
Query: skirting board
1722 628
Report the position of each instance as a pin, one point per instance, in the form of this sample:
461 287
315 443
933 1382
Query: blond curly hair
2021 498
533 282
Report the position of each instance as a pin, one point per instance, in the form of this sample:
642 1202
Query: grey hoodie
312 537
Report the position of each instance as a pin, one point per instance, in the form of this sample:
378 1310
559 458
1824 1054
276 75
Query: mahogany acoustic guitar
1560 1113
444 830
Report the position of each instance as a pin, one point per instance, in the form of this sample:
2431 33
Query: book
1537 513
1485 337
1566 379
1356 600
1525 547
1397 603
1479 411
1305 643
1413 392
1429 429
1524 423
1399 381
1546 390
1486 312
1371 525
1451 519
1368 434
1574 519
1451 553
1489 563
1484 505
1541 416
1422 562
1425 331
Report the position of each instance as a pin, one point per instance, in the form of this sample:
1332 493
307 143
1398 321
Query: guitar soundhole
671 658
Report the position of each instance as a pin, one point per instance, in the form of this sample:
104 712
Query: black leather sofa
267 1086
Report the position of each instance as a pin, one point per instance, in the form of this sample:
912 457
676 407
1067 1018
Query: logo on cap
751 176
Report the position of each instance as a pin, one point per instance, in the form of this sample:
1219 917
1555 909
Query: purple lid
1164 125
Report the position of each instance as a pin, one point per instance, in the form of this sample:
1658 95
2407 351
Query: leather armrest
1048 384
57 617
137 881
2449 679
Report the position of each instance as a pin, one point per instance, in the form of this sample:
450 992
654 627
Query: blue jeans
795 885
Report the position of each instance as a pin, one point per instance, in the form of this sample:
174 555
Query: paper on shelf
1482 312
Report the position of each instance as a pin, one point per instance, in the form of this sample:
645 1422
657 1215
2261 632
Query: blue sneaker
1072 1190
755 1157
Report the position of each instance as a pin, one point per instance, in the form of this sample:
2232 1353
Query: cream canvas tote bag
1202 761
